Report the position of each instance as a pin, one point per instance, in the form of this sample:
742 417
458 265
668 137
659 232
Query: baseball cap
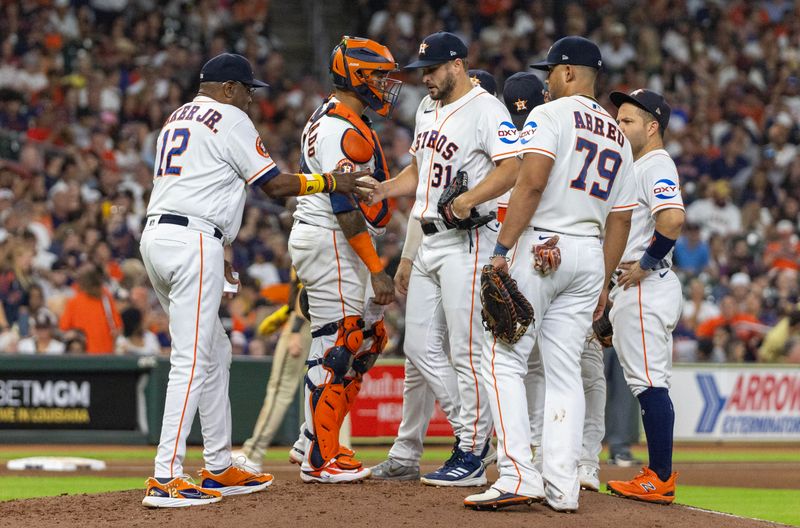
574 50
483 79
740 279
648 100
438 48
230 67
522 93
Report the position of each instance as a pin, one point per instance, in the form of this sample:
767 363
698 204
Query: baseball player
208 152
459 127
576 179
333 251
647 299
288 363
522 93
419 400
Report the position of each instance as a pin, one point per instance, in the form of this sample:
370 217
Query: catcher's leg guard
329 400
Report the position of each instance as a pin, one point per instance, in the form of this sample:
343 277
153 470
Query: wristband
316 183
500 251
362 245
659 247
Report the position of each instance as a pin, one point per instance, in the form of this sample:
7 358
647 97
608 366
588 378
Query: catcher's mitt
547 256
453 190
603 330
506 312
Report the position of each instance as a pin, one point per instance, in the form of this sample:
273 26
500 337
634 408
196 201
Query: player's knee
363 362
339 358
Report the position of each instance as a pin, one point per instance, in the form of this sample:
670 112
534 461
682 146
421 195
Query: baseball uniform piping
644 344
338 272
502 424
471 366
194 360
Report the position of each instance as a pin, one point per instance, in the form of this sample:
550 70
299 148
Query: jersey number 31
608 163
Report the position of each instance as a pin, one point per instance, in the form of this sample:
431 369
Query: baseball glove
547 256
506 312
603 330
454 189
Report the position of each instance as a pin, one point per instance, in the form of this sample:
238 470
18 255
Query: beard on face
444 91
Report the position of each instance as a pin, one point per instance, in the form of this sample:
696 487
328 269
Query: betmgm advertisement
736 403
98 400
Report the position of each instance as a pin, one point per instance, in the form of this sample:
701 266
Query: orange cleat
346 459
236 480
177 493
645 487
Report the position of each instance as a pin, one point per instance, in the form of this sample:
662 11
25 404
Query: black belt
430 228
542 229
183 221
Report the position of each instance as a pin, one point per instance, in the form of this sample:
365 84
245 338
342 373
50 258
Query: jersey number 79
607 157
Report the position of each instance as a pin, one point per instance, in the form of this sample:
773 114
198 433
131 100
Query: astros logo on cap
422 48
475 80
521 104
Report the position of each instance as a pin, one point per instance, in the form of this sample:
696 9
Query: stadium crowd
86 84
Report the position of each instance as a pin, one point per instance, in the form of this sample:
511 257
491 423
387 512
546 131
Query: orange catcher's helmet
363 66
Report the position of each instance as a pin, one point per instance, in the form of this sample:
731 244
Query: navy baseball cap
574 50
438 48
523 92
483 79
648 100
230 67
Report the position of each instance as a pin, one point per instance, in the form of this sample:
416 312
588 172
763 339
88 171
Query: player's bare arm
534 171
669 222
497 182
404 184
618 226
285 184
354 228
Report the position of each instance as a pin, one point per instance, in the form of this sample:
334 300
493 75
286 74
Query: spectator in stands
135 339
692 253
783 253
42 340
716 214
93 311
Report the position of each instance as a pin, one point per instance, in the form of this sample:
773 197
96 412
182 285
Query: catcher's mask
353 63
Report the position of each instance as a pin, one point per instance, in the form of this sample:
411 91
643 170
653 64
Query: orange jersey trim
644 344
535 150
262 171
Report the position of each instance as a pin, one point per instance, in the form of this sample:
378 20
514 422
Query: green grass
768 504
28 487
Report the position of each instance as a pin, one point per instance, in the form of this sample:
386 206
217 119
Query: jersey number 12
180 140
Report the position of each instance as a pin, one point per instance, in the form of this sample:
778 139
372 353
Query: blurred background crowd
86 84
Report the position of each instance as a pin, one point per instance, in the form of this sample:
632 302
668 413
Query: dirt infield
290 503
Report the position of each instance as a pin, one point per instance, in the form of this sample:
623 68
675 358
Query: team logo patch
665 189
260 148
345 165
521 104
526 134
475 80
507 133
422 48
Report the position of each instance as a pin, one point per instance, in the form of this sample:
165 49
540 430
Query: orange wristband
362 245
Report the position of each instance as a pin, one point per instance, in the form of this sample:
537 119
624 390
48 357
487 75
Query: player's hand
351 182
294 345
500 263
631 274
231 279
461 208
402 276
601 305
383 287
376 194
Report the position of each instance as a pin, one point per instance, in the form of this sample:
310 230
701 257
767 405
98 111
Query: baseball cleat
624 460
179 492
461 470
235 480
589 477
332 473
296 456
391 469
646 486
493 499
240 457
489 454
346 458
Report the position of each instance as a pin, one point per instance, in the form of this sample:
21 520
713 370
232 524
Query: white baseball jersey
322 152
658 189
471 134
207 152
593 160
